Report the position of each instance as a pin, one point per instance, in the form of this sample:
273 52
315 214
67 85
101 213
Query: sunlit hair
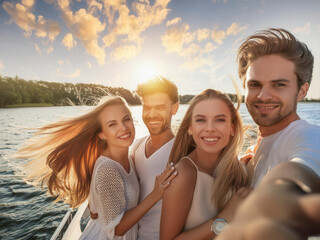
64 153
229 174
279 42
158 85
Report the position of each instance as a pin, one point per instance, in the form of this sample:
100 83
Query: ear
232 130
303 91
190 131
174 108
101 136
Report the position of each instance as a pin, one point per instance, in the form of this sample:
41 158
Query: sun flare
145 72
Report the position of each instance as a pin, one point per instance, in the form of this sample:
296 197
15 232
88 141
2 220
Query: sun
145 72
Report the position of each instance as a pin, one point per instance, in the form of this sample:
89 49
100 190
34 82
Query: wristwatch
217 225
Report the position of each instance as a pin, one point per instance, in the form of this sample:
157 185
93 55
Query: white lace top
113 191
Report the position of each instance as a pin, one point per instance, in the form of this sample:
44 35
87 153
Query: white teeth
125 136
210 139
152 123
267 107
264 107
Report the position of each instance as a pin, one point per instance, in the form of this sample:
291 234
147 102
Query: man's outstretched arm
286 205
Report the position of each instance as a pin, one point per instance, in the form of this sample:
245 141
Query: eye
278 85
112 125
160 108
200 120
253 84
221 120
127 118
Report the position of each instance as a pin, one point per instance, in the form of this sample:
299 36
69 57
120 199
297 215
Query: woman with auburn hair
205 152
87 157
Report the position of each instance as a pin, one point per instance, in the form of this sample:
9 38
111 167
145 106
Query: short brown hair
280 42
158 85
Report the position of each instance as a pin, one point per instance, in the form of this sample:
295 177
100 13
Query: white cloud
1 65
60 62
125 52
89 65
22 15
173 21
68 41
218 36
209 47
193 46
75 74
174 38
235 28
28 3
203 34
50 49
37 49
94 6
194 63
305 30
87 28
126 27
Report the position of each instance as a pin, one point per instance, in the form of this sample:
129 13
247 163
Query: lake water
27 212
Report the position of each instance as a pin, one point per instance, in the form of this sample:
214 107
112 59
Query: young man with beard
160 101
276 71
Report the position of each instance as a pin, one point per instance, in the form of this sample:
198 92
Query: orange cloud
125 52
173 21
68 41
174 38
219 35
127 27
203 34
86 27
21 14
235 28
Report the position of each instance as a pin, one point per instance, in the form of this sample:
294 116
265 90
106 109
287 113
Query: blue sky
121 43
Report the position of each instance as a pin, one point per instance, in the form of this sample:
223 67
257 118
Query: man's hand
278 209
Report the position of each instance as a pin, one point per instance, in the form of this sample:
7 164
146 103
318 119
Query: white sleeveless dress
202 207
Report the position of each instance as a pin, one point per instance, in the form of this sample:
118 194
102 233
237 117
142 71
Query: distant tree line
15 91
18 91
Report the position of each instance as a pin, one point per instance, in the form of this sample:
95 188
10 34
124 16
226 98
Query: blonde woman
87 157
205 153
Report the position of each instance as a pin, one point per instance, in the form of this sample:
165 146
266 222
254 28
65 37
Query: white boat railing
66 219
73 230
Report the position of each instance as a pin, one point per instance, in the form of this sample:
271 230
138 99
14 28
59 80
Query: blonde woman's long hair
229 174
64 153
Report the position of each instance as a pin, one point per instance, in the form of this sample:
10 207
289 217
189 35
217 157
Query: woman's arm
132 216
177 202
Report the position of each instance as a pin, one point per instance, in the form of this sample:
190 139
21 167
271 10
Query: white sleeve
307 149
111 192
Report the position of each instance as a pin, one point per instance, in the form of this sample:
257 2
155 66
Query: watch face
218 225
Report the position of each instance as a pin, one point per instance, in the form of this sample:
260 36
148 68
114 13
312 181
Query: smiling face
157 112
272 91
117 126
211 126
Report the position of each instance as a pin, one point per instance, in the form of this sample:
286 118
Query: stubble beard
264 120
